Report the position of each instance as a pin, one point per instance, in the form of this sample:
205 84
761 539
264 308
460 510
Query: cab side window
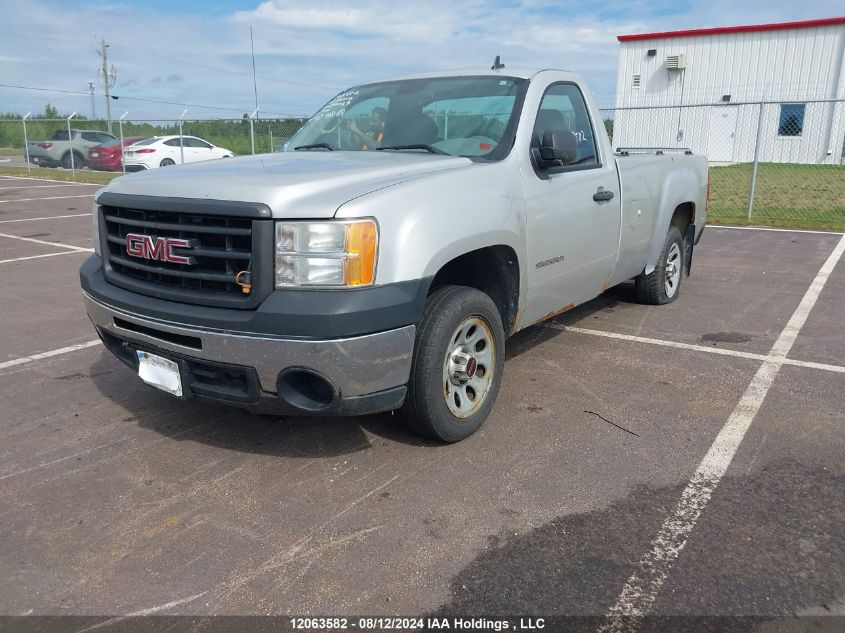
563 110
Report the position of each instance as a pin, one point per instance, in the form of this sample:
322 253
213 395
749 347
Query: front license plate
160 373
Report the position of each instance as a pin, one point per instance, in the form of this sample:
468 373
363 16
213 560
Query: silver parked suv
58 151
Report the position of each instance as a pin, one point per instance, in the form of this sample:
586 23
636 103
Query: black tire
78 161
652 289
425 409
167 162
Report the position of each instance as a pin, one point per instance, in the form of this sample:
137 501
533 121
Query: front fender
427 222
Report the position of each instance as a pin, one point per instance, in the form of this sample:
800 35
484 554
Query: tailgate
35 149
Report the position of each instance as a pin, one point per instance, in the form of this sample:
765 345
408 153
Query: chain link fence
239 136
775 163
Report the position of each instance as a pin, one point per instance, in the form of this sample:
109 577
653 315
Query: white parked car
161 151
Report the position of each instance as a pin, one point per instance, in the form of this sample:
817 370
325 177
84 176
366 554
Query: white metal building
703 89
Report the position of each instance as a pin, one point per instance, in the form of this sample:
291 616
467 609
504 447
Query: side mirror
559 147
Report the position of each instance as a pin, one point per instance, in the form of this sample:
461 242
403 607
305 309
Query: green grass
10 151
96 177
786 195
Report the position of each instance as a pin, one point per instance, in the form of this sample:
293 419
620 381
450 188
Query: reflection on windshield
460 116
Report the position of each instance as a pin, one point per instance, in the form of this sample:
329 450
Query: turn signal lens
361 253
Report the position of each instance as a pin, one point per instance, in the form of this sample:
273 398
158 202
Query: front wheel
664 283
458 364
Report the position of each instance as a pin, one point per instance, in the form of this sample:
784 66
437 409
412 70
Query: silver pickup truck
381 260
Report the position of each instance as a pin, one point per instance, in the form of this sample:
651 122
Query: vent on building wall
636 82
676 62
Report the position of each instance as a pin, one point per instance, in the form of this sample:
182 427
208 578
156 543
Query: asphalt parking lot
675 460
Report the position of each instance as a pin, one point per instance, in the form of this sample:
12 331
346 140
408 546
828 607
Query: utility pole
109 77
93 107
254 83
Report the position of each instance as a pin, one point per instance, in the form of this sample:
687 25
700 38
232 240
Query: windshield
459 116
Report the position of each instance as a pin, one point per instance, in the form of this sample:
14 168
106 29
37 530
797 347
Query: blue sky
198 52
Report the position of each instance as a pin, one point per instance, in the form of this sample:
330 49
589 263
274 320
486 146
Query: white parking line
769 228
641 590
56 352
49 217
85 195
696 348
21 259
56 244
32 178
64 184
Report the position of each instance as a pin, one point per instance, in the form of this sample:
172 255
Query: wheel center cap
472 365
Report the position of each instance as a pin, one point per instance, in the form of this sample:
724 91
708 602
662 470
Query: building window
791 119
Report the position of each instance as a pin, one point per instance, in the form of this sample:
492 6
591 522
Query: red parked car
107 157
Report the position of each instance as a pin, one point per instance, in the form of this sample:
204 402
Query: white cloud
307 50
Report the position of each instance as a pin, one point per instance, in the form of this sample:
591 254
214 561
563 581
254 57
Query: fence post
181 140
270 130
70 138
756 161
120 124
252 129
26 143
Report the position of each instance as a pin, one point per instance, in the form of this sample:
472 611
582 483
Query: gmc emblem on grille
158 248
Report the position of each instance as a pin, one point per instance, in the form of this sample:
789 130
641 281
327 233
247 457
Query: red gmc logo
159 248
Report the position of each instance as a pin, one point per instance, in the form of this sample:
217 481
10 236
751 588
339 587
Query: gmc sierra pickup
381 260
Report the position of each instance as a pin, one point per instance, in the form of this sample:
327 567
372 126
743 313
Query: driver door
573 228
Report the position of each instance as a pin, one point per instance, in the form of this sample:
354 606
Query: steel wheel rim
468 367
673 269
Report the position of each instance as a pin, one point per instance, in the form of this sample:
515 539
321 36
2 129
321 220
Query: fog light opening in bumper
305 389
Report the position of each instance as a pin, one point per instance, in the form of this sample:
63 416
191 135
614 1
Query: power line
125 98
218 69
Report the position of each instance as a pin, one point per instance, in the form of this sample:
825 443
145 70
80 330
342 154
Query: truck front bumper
266 373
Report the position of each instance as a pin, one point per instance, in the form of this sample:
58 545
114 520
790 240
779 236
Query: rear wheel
458 363
167 162
78 161
664 283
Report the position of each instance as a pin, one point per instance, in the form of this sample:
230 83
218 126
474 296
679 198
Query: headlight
95 215
339 254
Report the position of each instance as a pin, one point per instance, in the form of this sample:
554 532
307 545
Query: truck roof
519 72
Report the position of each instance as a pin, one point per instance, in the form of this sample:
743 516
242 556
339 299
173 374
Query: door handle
603 195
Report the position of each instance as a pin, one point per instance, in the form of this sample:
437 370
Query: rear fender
679 187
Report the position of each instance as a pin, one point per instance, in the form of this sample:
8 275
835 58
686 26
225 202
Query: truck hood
306 184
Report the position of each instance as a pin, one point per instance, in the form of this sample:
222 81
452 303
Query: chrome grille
222 247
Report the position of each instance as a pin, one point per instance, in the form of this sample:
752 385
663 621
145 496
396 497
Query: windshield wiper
316 146
428 148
